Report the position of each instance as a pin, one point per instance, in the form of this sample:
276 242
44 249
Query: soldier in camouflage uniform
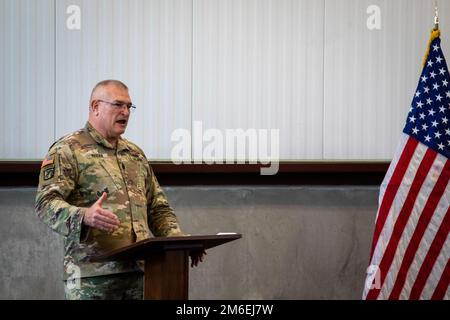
98 191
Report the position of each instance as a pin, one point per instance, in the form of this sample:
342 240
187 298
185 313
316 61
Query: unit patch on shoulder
49 172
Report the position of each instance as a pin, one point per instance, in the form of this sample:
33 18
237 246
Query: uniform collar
121 144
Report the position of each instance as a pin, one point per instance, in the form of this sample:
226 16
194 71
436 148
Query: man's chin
120 130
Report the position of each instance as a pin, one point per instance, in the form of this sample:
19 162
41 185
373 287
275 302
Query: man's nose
125 111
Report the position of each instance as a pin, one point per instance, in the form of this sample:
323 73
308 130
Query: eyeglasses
120 105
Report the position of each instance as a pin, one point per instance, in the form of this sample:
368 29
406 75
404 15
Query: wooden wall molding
26 173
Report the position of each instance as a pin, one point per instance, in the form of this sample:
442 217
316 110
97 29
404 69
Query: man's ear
94 106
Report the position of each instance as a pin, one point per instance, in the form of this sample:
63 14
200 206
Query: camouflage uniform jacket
75 172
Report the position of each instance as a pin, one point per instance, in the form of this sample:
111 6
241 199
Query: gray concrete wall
298 242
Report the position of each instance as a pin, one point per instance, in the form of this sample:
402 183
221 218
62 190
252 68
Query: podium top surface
143 249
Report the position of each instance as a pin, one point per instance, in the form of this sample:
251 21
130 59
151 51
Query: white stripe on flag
437 271
400 147
397 206
399 199
398 202
430 231
405 239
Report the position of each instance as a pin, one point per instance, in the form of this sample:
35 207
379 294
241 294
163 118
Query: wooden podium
166 262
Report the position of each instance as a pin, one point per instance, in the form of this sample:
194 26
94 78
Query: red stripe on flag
402 219
442 286
422 224
431 257
392 188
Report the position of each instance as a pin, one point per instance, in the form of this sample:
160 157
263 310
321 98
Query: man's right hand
97 217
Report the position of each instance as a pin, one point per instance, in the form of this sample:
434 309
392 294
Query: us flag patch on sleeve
47 161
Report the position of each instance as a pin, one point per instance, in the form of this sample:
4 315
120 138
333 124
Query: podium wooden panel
166 262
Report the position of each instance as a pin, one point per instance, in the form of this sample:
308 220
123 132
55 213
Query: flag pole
435 32
436 16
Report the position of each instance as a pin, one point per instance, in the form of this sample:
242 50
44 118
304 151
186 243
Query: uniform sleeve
57 180
161 217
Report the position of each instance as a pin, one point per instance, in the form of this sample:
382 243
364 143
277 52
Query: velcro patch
47 161
49 172
97 155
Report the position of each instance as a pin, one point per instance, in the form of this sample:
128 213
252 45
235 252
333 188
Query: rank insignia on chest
99 193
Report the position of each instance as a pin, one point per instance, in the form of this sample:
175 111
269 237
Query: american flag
411 247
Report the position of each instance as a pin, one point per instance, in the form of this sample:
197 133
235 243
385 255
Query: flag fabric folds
411 246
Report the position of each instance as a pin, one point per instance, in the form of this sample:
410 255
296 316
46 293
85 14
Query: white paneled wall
26 77
371 75
145 43
312 69
259 64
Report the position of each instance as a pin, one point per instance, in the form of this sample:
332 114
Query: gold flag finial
436 16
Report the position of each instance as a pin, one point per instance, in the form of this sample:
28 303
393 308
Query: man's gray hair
106 83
